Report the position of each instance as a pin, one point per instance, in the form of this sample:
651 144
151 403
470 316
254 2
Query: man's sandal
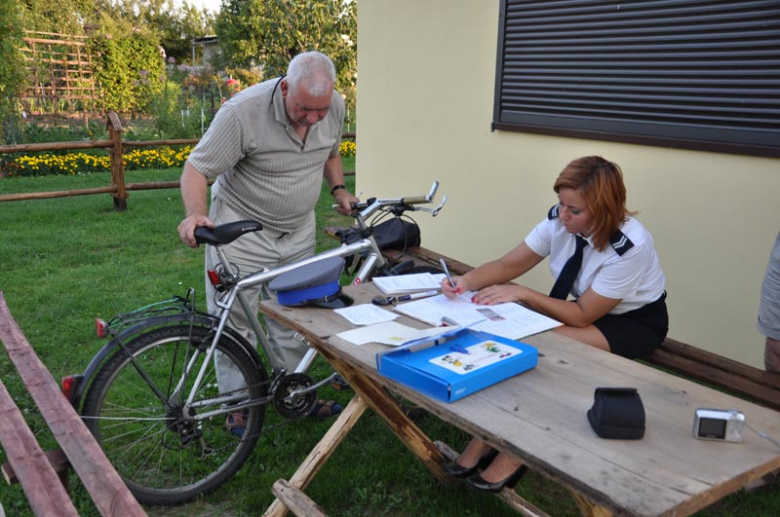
339 384
236 423
325 409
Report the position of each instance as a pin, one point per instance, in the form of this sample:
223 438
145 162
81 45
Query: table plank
541 417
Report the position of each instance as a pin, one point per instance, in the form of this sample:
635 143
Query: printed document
365 314
509 320
393 333
403 284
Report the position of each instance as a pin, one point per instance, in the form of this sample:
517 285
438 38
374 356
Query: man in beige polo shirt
269 148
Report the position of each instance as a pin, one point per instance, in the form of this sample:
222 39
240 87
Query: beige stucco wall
425 101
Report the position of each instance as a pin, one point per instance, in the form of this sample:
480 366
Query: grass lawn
65 261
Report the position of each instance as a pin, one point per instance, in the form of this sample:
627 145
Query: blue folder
452 368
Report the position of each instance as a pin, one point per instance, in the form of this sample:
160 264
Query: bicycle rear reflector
214 278
101 328
68 384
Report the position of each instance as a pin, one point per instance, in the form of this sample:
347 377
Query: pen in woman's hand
447 272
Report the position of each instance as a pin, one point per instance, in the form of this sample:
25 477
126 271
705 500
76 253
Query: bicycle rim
163 455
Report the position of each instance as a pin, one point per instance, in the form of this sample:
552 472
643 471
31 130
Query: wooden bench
43 475
757 385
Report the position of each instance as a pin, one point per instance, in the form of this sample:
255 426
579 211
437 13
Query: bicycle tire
164 458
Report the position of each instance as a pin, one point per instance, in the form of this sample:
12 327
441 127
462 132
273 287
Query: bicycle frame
373 261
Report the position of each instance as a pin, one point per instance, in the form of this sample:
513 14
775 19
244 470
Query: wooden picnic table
540 416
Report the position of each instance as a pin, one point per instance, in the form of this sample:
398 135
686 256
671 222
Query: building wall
425 103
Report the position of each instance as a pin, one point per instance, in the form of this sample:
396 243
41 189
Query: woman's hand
452 292
496 294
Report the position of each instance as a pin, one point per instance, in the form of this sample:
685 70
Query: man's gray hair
313 70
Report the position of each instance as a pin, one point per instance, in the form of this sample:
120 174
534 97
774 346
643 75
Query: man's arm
194 189
334 175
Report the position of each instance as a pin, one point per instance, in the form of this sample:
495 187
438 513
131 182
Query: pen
414 296
390 300
447 272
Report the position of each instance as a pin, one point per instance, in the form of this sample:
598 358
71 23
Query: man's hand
344 200
187 228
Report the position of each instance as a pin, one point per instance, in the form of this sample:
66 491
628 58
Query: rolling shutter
678 73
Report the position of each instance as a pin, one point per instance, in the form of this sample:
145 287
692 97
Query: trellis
60 67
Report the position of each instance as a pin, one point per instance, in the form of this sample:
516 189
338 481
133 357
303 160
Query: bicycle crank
294 397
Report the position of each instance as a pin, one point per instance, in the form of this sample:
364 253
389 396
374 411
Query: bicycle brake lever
433 211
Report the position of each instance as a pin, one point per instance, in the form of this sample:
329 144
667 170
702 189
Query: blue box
440 368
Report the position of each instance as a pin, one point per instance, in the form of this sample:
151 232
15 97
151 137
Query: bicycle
151 397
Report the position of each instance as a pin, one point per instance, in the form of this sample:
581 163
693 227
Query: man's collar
280 111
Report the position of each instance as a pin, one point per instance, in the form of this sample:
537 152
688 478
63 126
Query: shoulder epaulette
553 213
620 243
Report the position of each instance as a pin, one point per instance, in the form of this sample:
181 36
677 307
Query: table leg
388 409
322 451
588 508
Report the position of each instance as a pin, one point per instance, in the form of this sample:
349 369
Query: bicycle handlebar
371 205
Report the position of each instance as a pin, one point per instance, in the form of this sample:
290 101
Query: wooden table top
541 416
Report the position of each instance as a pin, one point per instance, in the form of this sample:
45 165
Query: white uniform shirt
635 277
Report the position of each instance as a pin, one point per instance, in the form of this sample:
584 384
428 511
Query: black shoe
510 481
453 468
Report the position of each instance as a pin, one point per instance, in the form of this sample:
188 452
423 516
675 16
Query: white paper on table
366 314
515 322
391 333
402 284
434 310
509 320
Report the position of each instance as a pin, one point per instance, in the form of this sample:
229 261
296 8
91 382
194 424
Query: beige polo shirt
265 171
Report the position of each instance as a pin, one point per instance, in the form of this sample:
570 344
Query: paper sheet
509 320
402 284
366 314
392 333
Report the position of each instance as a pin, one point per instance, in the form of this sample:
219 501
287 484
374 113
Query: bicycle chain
264 429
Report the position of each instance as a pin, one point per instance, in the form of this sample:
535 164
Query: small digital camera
723 425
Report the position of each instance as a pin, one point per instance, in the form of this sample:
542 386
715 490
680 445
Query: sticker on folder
452 368
464 360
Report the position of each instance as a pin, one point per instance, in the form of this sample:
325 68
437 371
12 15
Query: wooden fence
118 188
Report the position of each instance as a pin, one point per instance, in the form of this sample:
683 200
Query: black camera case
617 413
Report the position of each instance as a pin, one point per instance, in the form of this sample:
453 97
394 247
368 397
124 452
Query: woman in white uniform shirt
619 295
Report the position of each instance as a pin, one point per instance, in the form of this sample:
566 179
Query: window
678 73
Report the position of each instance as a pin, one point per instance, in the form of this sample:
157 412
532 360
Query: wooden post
117 164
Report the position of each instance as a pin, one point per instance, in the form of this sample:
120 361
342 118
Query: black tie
565 281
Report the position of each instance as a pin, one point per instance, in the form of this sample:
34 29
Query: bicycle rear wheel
135 409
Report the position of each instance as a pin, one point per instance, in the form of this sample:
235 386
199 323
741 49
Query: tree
57 16
174 26
12 67
271 32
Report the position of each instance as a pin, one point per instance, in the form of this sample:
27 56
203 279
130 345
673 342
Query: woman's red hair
600 182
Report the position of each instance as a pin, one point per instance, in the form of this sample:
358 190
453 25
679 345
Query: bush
130 70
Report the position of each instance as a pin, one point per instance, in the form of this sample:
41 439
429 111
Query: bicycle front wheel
166 452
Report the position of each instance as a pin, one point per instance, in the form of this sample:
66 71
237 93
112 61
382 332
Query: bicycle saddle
225 233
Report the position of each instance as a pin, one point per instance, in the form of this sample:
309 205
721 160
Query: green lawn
65 261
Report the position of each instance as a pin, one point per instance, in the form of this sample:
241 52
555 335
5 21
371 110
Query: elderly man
269 147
